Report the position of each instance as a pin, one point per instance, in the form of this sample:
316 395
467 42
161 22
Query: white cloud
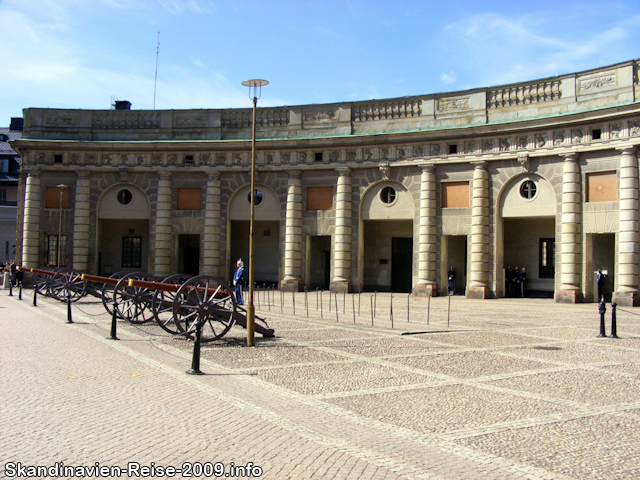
449 78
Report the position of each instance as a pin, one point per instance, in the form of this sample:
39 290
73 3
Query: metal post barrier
321 315
281 299
391 310
195 360
408 298
269 298
336 294
19 290
359 295
602 309
257 290
329 300
316 299
375 302
35 297
10 288
353 307
372 310
344 302
293 296
69 319
306 301
428 308
613 321
114 318
449 310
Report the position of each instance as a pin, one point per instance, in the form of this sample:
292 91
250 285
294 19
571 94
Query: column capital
214 174
164 175
34 173
479 164
629 150
295 173
343 171
571 156
83 174
428 167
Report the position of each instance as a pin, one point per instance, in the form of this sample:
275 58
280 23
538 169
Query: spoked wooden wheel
107 292
163 303
40 282
67 284
134 304
206 298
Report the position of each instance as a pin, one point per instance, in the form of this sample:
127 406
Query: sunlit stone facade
377 195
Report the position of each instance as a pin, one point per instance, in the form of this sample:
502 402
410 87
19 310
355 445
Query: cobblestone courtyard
494 389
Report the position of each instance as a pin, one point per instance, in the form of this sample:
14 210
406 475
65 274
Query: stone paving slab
328 399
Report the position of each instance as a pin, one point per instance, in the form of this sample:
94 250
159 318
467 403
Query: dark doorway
456 258
319 262
401 264
189 254
604 255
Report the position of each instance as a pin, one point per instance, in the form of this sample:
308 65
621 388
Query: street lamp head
256 85
62 185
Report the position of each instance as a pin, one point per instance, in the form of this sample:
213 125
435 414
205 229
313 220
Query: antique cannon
176 303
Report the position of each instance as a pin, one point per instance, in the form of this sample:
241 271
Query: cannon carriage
176 303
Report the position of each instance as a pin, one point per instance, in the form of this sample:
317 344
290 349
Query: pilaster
293 234
163 226
479 275
81 212
213 255
31 233
428 235
626 273
569 291
342 242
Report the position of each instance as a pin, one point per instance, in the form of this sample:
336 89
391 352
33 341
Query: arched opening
386 238
266 233
528 224
123 230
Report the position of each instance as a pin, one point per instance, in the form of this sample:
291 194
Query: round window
528 189
124 197
388 195
258 197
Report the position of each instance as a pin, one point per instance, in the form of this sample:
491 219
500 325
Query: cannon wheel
208 298
163 303
67 283
107 293
40 281
133 303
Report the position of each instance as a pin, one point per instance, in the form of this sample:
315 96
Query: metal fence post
613 320
602 309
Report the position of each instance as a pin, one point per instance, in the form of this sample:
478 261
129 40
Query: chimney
16 124
123 105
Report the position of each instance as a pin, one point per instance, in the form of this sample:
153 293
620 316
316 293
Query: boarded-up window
602 187
319 198
189 199
455 195
52 198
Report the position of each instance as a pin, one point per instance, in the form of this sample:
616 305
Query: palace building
381 195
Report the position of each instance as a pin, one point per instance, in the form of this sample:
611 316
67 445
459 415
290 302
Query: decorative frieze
362 112
452 104
592 84
190 121
265 117
126 120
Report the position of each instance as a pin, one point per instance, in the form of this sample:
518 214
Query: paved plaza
493 389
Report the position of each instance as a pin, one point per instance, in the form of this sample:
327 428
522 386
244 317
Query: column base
340 287
291 285
478 292
626 299
568 296
425 290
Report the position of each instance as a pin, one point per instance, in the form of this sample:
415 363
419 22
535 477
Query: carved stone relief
469 147
386 170
523 142
140 160
205 158
106 160
541 140
285 157
123 159
74 158
401 153
156 159
91 159
368 154
453 104
487 146
558 138
614 130
634 128
319 117
434 149
302 156
523 160
351 155
576 136
237 159
173 159
189 121
505 145
334 156
221 158
418 151
268 158
384 153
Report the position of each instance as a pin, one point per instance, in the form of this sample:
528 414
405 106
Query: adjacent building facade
377 195
9 176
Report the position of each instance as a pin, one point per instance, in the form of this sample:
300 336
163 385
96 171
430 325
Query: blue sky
81 53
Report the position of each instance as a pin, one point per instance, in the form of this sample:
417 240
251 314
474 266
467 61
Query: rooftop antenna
156 80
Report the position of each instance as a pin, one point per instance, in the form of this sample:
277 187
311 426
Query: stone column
428 235
479 276
293 234
81 213
212 263
342 243
626 272
163 226
569 291
31 226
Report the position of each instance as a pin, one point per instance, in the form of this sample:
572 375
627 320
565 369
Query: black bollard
195 361
19 290
10 289
602 309
114 316
613 320
35 297
69 320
